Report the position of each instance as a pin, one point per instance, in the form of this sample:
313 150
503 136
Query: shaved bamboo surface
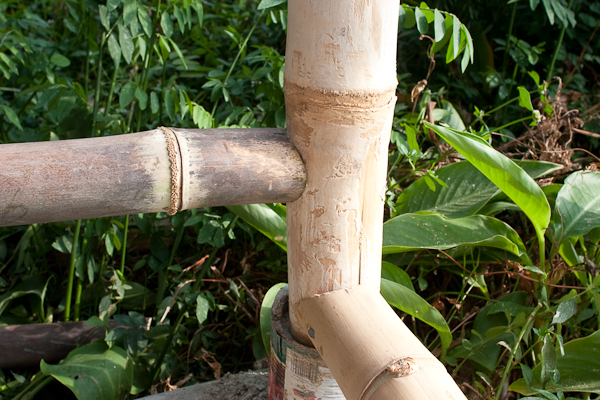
340 82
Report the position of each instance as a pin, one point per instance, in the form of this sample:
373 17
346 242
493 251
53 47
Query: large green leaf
453 118
396 274
265 315
410 232
505 174
94 372
467 191
577 209
579 369
263 219
411 303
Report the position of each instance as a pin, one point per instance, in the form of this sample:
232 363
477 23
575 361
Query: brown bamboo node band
173 158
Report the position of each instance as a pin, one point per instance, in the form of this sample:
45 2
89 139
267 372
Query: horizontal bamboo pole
140 173
369 350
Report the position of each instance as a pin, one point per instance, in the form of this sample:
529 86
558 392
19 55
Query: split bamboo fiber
369 350
163 169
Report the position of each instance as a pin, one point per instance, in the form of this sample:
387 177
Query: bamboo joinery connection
165 169
340 82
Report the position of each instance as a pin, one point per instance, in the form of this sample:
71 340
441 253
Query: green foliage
411 303
270 221
94 372
495 323
467 190
265 315
504 173
575 361
577 209
448 30
75 69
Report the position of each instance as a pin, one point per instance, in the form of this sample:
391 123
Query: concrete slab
249 385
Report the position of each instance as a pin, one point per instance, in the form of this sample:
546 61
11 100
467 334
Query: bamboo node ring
402 367
173 158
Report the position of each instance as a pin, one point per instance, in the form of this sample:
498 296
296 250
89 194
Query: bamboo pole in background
127 174
23 346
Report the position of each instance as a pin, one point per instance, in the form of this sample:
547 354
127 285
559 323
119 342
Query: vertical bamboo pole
340 82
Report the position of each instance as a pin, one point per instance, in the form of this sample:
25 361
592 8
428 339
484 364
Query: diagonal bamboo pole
146 172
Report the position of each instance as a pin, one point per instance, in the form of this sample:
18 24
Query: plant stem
508 367
149 45
87 59
542 250
176 244
162 286
79 289
242 47
72 271
557 48
40 386
512 83
514 122
37 378
508 39
98 83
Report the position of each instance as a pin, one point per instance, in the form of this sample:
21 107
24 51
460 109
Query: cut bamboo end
160 170
369 350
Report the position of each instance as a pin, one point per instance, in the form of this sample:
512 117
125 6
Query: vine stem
72 271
